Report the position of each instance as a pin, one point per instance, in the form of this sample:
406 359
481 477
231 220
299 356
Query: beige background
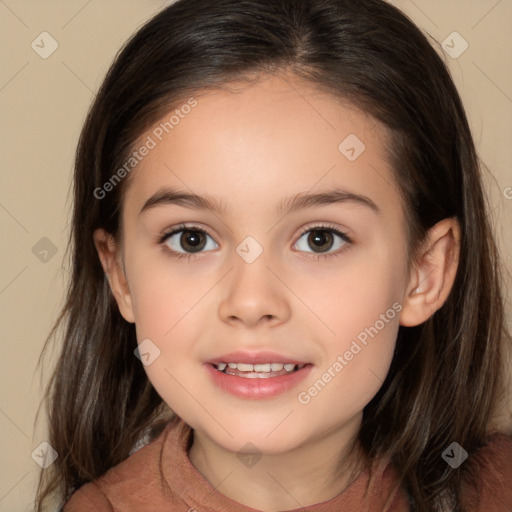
43 104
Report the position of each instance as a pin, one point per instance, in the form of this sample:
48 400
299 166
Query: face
267 277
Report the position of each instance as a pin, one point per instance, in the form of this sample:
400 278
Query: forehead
250 141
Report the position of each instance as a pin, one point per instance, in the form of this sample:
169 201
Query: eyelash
189 256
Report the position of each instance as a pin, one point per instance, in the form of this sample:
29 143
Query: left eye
323 239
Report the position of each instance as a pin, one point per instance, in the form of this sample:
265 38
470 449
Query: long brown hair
446 378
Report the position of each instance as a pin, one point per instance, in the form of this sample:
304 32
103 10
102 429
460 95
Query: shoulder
133 482
89 498
493 466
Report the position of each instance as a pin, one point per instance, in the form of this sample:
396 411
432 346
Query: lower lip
257 388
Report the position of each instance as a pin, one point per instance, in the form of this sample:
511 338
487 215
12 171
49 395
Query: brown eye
189 240
192 241
323 239
320 239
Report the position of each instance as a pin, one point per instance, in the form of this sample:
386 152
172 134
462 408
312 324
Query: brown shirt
160 478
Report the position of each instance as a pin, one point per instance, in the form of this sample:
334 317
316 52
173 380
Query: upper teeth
266 367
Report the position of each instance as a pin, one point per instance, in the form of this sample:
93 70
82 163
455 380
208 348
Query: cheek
162 294
344 386
359 309
166 306
355 295
170 308
357 354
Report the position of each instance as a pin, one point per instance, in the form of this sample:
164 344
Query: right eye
192 240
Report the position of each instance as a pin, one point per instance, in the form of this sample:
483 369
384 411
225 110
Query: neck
313 472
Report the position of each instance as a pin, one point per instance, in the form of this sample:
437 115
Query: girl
285 291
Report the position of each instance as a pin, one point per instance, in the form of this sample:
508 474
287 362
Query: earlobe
433 274
108 252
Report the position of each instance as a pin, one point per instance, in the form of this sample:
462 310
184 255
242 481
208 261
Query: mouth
256 376
257 371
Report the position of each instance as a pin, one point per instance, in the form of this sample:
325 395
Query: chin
269 436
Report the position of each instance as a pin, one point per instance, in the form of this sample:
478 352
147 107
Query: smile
258 371
257 375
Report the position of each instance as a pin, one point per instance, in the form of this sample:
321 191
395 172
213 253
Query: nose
253 295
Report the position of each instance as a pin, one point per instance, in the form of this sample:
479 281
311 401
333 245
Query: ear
433 273
110 257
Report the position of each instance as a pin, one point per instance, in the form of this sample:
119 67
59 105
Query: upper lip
255 358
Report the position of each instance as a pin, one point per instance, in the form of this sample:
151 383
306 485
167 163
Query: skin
251 147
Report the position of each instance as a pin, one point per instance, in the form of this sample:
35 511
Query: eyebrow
171 196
